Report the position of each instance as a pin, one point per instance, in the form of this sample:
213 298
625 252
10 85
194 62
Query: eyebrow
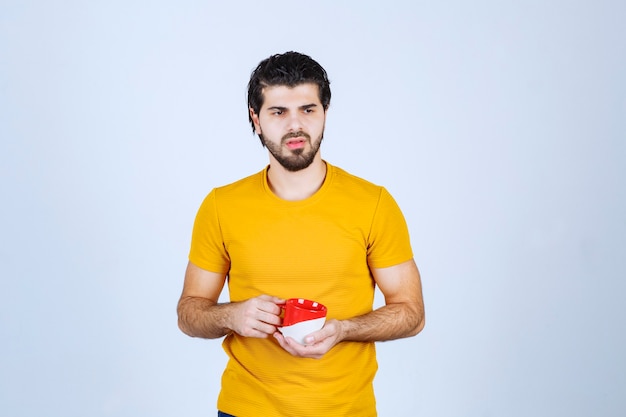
303 107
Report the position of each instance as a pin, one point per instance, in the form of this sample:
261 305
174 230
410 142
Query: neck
299 185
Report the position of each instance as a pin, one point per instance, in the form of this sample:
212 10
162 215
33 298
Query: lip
295 143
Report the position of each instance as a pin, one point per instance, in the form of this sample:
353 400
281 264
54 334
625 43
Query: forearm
200 317
392 321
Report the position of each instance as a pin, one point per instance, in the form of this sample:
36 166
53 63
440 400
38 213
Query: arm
200 315
403 312
401 316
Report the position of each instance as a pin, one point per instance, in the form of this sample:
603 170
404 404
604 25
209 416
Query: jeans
220 414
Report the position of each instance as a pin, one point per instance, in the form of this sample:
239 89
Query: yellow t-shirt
319 248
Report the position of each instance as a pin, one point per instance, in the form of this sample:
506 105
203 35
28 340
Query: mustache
297 134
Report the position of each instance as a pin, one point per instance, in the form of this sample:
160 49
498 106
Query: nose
295 122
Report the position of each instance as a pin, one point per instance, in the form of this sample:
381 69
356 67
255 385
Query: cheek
269 127
319 126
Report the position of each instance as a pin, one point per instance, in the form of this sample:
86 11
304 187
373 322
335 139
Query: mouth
296 143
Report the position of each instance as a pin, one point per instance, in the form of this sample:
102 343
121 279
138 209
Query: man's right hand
257 317
200 314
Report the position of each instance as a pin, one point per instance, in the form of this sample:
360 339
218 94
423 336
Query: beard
296 159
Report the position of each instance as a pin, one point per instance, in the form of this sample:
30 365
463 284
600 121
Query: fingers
294 348
271 299
315 351
330 331
257 317
265 310
317 343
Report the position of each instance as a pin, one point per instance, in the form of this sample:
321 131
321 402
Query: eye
277 112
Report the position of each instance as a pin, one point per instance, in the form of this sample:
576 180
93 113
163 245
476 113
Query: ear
255 120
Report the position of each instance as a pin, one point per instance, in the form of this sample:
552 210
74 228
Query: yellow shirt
319 248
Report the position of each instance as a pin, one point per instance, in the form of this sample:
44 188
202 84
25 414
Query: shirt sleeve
389 243
207 244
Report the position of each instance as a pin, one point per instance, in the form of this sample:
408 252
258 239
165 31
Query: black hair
289 69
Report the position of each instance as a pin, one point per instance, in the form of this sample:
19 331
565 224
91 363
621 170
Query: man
301 228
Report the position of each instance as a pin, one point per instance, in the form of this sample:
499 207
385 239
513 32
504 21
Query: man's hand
256 317
317 343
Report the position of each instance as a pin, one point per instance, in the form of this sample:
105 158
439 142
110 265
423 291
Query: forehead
285 96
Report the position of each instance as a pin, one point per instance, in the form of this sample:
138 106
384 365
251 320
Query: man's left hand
316 345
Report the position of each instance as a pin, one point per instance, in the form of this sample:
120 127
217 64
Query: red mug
297 310
302 317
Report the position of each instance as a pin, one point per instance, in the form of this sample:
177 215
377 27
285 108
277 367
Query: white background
498 126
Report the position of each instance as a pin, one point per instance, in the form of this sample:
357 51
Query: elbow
187 328
416 329
419 327
183 324
419 323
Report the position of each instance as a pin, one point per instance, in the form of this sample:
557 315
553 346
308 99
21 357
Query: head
289 69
